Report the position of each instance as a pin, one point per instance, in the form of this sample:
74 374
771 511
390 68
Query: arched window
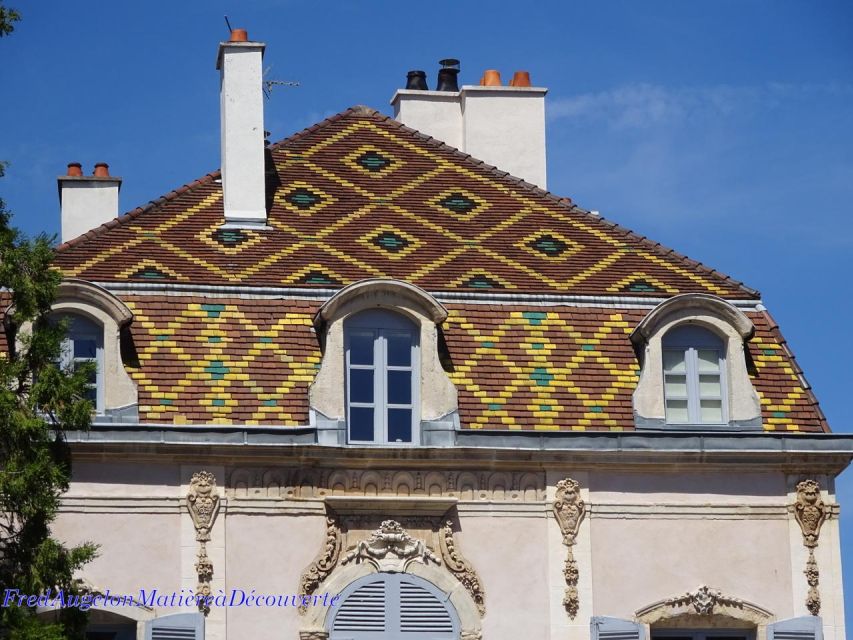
84 343
388 606
694 366
381 351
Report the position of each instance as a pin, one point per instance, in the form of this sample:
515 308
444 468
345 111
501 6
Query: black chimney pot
447 75
416 80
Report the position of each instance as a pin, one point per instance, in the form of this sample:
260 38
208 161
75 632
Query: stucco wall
659 536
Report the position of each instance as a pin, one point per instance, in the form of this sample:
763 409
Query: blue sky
721 129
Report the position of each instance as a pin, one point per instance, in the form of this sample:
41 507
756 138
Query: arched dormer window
97 320
382 375
363 330
694 374
694 366
84 343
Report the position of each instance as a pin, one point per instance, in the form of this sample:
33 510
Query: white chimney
86 202
501 125
242 118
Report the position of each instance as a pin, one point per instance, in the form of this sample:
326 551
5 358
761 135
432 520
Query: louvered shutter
180 626
364 609
802 628
421 611
603 628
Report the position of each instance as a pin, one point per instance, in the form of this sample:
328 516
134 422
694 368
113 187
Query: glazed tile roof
359 195
231 360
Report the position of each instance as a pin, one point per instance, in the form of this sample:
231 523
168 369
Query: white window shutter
179 626
802 628
603 628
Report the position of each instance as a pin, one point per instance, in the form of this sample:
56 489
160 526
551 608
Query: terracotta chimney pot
75 169
239 35
491 78
520 79
102 170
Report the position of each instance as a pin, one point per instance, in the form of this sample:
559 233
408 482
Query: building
364 366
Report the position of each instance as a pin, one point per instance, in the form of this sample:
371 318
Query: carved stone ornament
810 513
569 510
203 505
704 600
325 561
460 567
390 547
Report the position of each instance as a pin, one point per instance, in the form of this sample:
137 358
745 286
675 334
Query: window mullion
691 357
380 385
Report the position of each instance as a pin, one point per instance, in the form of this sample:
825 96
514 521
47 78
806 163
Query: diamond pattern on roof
250 361
359 170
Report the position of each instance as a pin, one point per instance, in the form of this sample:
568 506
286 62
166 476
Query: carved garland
704 600
569 511
460 567
203 505
391 538
810 513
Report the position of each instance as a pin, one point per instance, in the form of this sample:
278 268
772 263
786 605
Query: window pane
361 348
91 394
399 425
92 378
673 361
711 411
676 386
85 348
676 411
399 350
709 386
361 385
361 423
399 387
709 360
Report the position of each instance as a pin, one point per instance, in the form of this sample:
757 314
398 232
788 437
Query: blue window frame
84 343
694 367
381 378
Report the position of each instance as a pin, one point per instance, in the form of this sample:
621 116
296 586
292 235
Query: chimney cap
239 35
449 63
102 170
520 79
75 169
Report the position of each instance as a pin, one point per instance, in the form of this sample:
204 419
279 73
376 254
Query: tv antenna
268 85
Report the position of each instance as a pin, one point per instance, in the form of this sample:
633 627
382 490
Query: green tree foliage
38 403
8 18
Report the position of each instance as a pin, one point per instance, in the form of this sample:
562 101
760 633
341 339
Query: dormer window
694 367
382 378
84 343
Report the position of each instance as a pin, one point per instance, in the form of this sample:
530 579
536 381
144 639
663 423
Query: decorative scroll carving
810 513
460 567
472 635
203 505
703 599
569 511
325 561
313 635
293 483
701 607
391 539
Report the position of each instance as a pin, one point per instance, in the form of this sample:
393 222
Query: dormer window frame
684 346
82 328
435 408
717 317
379 328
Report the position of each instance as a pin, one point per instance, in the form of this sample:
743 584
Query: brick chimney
501 125
86 202
242 125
